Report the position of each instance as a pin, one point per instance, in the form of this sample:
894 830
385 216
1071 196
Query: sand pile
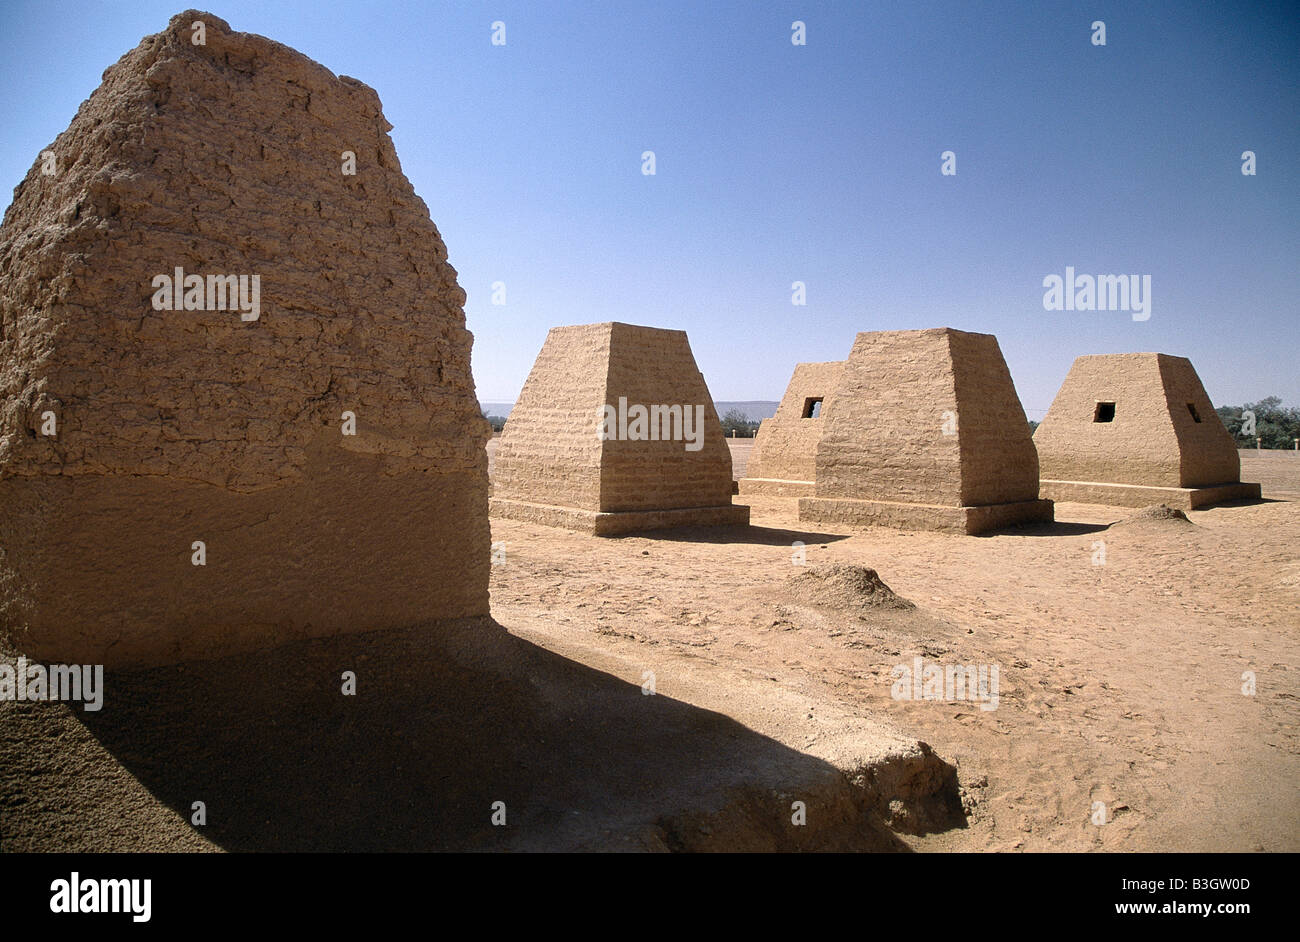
844 586
1157 515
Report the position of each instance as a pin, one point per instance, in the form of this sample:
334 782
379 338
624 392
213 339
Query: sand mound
841 585
1158 514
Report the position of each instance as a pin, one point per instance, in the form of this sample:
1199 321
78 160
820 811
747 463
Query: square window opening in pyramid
925 431
615 432
1163 443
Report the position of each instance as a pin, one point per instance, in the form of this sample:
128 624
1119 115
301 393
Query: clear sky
818 163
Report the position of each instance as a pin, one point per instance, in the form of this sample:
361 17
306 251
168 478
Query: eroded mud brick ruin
1136 429
784 458
926 433
147 427
615 432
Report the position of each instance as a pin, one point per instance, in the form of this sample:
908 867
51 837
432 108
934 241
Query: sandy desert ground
1119 683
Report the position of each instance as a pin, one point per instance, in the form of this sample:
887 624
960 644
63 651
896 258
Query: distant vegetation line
1276 425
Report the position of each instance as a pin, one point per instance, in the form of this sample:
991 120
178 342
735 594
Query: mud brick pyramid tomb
196 425
784 459
1136 429
926 432
554 467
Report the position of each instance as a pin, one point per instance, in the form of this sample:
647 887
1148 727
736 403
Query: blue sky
819 163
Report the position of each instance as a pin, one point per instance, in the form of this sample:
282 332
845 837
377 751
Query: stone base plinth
776 487
604 523
879 513
100 569
1136 495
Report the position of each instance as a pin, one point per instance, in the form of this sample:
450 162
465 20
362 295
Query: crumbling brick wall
228 157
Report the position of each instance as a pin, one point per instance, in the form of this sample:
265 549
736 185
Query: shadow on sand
1056 528
448 719
1247 502
749 534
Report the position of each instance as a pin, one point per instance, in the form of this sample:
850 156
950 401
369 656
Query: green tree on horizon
1275 425
736 421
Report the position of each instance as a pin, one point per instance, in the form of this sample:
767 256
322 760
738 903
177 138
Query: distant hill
755 410
496 408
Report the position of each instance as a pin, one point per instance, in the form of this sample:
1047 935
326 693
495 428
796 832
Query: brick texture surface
928 418
226 159
785 447
1153 439
551 452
